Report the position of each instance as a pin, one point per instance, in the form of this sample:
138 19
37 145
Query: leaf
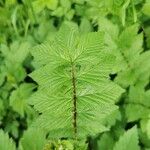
39 5
85 25
146 8
138 95
18 98
113 118
106 142
10 2
109 28
16 55
129 140
33 139
65 4
129 54
51 4
144 139
74 74
17 52
5 142
135 112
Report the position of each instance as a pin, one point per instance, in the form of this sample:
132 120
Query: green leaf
16 55
74 69
106 142
10 2
59 12
5 142
128 56
135 112
65 4
85 25
33 139
18 98
129 140
146 8
51 4
38 5
113 118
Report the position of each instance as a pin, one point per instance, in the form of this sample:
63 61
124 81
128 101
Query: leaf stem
74 101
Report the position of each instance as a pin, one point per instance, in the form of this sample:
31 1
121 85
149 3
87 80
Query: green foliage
146 8
64 144
128 50
38 138
106 142
129 140
18 98
75 68
106 43
39 5
5 142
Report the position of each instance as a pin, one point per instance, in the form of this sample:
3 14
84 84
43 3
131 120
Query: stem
26 27
125 58
124 7
74 101
33 13
134 12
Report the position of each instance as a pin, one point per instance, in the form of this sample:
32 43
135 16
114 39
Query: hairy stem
125 58
74 101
